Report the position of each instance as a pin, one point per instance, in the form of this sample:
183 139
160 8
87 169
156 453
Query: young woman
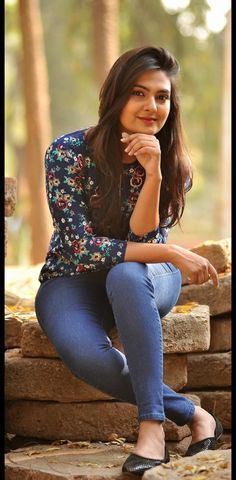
114 191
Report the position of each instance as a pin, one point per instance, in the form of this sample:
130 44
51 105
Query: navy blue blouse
70 181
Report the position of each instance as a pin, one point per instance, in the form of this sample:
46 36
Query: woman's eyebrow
163 90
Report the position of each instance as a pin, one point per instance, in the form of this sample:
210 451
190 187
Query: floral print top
70 181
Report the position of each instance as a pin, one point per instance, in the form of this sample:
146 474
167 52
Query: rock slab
210 465
88 421
217 252
50 379
66 462
218 299
209 370
182 333
221 333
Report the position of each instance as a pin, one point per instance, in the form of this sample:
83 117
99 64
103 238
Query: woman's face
149 104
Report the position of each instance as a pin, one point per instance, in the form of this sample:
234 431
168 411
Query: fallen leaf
184 308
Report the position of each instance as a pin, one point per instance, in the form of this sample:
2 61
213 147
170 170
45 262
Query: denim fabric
77 313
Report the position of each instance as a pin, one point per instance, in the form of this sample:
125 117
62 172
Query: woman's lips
147 120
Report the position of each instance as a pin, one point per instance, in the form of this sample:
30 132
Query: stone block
10 195
90 421
217 252
50 379
45 379
209 370
187 332
182 332
12 332
218 299
218 402
210 465
34 342
221 330
95 461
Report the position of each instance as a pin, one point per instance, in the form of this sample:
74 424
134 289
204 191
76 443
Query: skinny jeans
77 314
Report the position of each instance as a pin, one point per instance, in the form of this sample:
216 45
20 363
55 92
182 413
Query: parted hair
106 149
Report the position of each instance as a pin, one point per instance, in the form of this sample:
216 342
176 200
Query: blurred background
57 54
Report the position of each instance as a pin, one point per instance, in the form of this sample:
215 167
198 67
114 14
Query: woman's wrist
156 176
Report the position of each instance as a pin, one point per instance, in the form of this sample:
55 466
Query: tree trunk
224 207
38 124
106 37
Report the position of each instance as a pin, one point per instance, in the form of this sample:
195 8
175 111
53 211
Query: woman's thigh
75 313
166 280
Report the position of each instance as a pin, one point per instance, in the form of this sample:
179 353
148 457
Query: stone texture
94 421
50 379
175 370
221 329
209 370
187 332
10 195
34 342
61 462
45 379
217 402
218 299
12 332
217 252
182 332
210 465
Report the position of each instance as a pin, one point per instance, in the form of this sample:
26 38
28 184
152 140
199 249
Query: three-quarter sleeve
158 235
74 239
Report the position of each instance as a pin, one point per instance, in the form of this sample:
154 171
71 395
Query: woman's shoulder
70 141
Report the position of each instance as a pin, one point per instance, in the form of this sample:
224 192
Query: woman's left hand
146 148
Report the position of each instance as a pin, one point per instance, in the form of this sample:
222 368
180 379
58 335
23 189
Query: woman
114 191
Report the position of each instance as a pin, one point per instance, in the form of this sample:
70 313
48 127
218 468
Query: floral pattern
70 180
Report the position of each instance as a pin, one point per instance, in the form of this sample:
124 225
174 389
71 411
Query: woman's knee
125 278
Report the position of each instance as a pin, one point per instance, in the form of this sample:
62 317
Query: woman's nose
151 104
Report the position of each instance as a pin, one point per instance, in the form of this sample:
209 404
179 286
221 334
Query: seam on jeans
162 275
154 416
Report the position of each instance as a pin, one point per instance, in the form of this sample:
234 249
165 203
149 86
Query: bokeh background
57 53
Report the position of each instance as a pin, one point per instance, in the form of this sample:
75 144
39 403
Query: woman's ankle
151 440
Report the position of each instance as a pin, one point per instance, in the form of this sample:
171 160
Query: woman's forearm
145 216
195 267
148 252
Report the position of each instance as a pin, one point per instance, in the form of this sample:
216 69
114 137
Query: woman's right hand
196 269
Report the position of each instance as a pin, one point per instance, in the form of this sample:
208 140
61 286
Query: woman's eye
138 93
163 98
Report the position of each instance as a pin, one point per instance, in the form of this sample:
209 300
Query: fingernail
124 134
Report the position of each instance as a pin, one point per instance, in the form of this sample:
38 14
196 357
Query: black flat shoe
137 464
207 443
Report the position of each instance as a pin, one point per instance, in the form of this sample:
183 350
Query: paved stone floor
101 461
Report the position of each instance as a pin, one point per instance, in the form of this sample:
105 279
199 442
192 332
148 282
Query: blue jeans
77 313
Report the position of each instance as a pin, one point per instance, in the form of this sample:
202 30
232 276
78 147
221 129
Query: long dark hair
106 150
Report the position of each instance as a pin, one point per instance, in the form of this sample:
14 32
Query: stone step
186 331
218 299
91 421
210 465
209 370
221 330
104 462
218 402
217 252
50 379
